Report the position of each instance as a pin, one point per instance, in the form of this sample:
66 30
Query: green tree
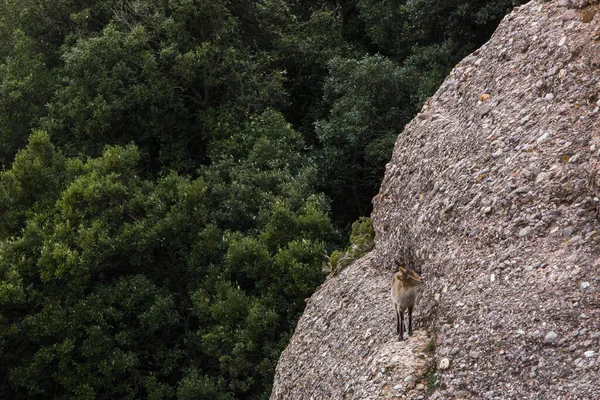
24 88
112 285
368 107
149 77
400 29
33 184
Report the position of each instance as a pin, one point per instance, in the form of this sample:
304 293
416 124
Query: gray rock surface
506 241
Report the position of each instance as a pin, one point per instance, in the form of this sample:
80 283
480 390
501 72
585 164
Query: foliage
118 286
396 27
430 377
361 242
367 107
24 82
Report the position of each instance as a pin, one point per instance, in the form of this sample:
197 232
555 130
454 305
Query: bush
361 242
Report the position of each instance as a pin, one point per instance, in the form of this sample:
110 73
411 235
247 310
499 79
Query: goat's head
408 274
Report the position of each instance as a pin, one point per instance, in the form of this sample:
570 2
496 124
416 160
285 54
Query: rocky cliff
492 194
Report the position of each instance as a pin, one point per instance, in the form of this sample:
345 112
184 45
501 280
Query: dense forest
176 172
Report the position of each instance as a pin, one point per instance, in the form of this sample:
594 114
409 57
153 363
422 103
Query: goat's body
404 293
403 296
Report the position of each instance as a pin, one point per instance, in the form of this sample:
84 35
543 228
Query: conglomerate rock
492 193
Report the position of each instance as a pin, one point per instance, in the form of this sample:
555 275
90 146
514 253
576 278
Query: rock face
492 194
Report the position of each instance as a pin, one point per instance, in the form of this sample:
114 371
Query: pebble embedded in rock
522 189
525 231
569 15
543 138
575 158
542 176
444 364
504 257
551 337
587 16
484 110
409 378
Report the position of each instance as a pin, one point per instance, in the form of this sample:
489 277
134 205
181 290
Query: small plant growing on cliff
361 242
431 378
430 348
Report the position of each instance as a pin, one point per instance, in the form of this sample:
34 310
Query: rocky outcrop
492 193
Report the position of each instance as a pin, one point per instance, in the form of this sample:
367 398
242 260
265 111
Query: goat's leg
410 310
397 319
401 325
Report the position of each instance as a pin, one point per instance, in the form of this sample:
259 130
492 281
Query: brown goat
405 285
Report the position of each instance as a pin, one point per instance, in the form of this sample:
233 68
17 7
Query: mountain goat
405 285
